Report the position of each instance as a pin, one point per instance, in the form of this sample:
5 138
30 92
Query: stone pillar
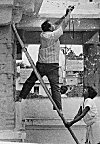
92 66
98 66
7 79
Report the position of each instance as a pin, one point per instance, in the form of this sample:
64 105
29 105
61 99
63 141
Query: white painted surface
57 8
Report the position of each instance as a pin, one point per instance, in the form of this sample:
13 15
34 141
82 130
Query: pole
41 80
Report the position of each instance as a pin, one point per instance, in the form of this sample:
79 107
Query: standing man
48 58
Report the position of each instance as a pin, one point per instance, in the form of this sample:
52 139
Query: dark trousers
50 70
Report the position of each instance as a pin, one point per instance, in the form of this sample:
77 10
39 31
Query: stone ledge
12 135
54 127
48 122
1 142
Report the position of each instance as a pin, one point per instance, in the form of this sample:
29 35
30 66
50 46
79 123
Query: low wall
42 107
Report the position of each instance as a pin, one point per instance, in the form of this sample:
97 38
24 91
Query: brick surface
7 107
5 11
5 35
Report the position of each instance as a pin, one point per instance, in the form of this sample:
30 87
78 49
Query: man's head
47 26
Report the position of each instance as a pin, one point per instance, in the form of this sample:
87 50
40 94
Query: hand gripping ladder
41 80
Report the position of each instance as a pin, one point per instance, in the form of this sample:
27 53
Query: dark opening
36 89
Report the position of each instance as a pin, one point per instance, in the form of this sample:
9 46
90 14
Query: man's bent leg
27 86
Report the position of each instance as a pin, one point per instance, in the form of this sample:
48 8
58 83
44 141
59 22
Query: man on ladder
48 58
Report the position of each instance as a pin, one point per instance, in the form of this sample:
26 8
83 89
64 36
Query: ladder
41 80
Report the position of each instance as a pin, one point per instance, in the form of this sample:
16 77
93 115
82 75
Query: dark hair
63 89
92 92
46 26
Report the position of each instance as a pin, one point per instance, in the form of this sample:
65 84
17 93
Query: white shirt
92 114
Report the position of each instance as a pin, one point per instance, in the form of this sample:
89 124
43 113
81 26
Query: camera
70 8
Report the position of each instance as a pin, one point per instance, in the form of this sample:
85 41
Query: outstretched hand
68 124
69 9
59 21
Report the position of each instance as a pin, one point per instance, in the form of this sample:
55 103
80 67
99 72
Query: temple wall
7 82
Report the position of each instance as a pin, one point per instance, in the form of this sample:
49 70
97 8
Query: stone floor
47 127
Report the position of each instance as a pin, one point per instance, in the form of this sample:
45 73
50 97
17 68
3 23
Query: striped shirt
50 46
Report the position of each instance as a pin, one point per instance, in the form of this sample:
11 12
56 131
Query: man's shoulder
46 34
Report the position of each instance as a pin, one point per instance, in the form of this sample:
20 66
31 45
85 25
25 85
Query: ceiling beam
77 37
79 24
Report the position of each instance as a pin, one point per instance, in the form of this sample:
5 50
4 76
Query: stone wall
7 80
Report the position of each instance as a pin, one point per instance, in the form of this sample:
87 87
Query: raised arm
64 19
79 112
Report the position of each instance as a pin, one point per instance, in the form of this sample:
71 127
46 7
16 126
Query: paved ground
47 127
